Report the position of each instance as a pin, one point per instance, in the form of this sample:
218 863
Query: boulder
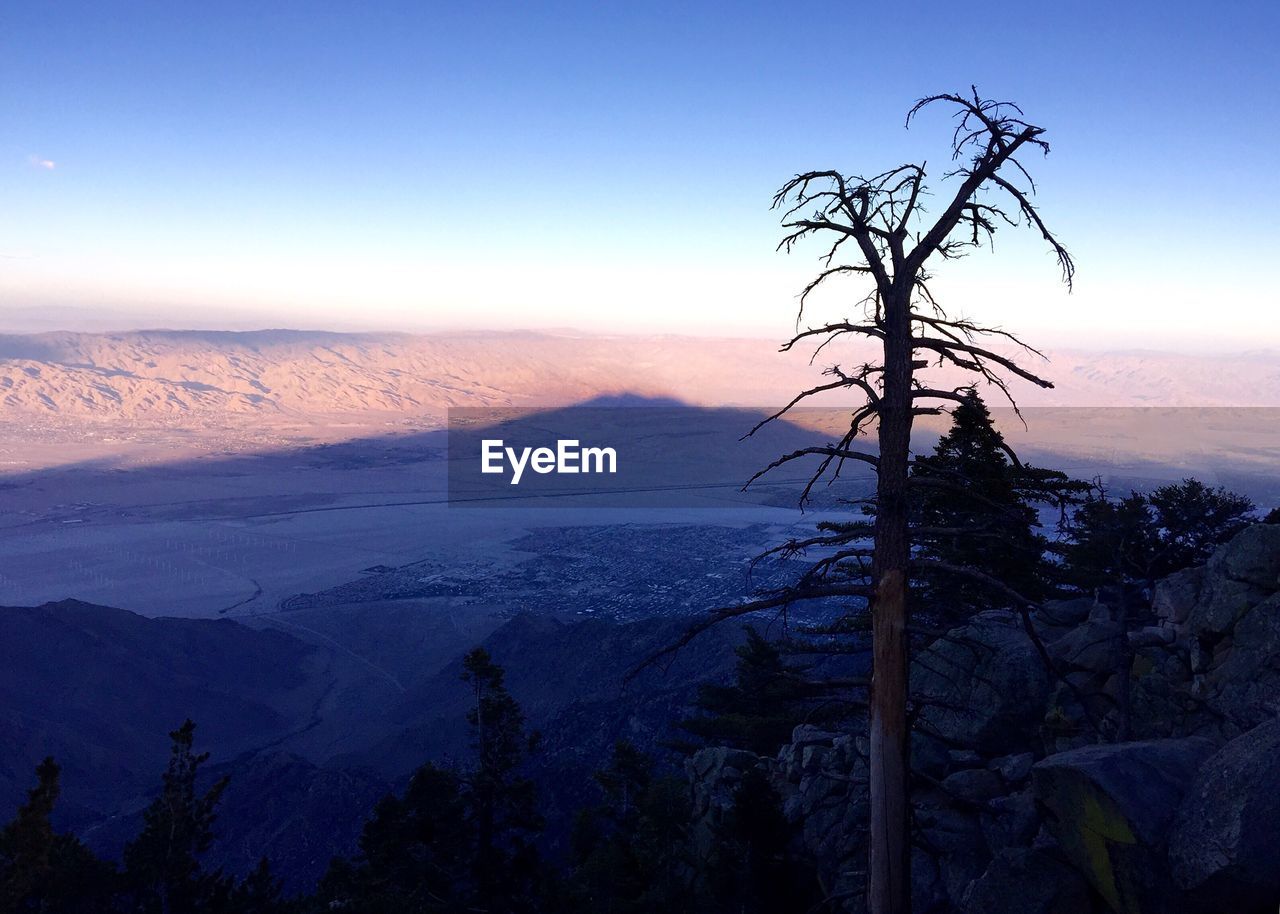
1095 646
1239 575
954 837
1252 557
1177 595
929 755
1027 881
1223 602
927 891
1243 684
1013 768
1011 821
714 775
983 686
965 758
1111 807
1225 843
973 785
1057 616
823 779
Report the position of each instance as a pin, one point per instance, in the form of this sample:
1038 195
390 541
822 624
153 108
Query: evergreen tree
1134 541
26 844
414 853
767 699
1195 519
163 873
973 508
43 871
259 893
1110 542
501 802
632 852
974 519
455 842
754 868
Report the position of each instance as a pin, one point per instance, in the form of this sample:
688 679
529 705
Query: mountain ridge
172 375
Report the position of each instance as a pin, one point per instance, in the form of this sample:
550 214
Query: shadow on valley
317 708
736 764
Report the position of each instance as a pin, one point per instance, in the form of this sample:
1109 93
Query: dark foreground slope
100 688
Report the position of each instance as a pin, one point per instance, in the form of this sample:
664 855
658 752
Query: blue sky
609 166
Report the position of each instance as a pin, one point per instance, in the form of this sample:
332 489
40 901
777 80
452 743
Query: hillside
176 376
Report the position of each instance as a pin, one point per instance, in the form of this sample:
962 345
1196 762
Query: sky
609 166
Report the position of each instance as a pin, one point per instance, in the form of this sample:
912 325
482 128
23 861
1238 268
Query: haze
422 166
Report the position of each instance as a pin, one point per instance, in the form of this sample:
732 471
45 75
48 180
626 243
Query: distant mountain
176 376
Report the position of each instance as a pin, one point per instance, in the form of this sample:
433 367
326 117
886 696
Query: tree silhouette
162 864
880 223
754 868
42 870
1193 520
770 694
632 851
501 801
456 841
261 892
415 853
987 522
1133 541
26 844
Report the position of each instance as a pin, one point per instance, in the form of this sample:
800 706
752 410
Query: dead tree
880 223
878 232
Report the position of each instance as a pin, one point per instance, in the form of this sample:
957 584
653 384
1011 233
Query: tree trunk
889 891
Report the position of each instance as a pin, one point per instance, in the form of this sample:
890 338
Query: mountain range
173 376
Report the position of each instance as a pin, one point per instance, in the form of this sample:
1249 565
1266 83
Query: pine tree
455 841
501 801
754 868
1110 542
767 699
415 853
632 851
975 521
43 871
1195 519
163 872
983 520
259 893
26 844
1134 541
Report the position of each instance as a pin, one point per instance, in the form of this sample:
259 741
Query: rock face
1252 557
1225 843
1027 881
983 686
1111 808
1242 684
1219 675
1023 798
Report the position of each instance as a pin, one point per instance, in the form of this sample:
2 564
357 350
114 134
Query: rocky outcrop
1023 798
1218 676
983 686
1111 807
1025 880
1226 836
